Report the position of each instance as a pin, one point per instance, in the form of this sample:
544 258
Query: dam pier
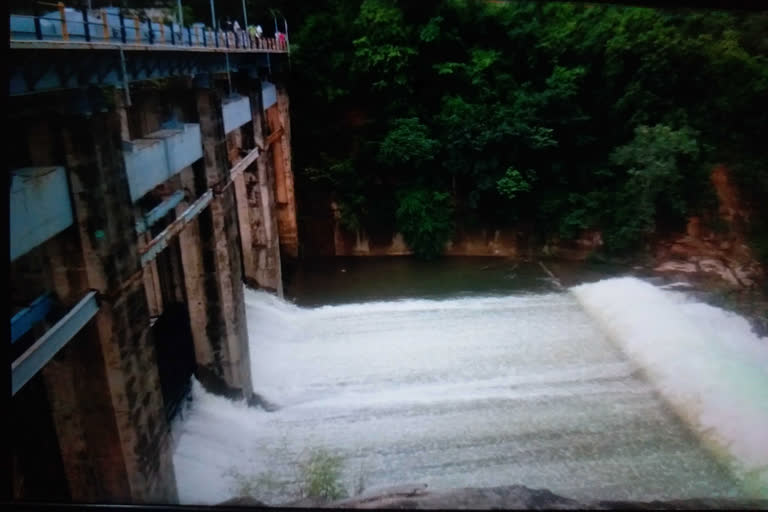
149 178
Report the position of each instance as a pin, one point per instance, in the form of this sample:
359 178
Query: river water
482 372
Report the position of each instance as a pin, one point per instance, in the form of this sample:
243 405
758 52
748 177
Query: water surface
453 374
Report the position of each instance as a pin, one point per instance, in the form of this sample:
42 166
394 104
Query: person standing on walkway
259 35
238 35
252 34
226 26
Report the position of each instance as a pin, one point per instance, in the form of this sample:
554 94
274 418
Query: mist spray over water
482 391
705 361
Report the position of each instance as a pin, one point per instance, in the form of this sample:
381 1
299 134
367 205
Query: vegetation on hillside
556 117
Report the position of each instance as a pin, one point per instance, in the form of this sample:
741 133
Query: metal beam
43 350
25 319
243 164
160 242
159 211
37 71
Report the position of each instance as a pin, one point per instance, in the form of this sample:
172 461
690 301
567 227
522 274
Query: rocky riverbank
504 497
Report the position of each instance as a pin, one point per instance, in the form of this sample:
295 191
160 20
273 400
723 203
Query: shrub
321 476
425 218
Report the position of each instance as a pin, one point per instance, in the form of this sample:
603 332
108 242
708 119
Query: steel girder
32 71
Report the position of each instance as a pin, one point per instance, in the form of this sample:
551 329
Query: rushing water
487 376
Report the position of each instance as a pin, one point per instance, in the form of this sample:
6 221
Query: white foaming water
705 361
521 389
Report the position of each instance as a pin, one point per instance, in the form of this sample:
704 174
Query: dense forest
554 117
551 117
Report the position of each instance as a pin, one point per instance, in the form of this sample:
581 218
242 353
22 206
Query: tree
407 145
658 162
557 116
425 218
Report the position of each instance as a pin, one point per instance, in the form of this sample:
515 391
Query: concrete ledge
268 94
153 159
40 207
236 112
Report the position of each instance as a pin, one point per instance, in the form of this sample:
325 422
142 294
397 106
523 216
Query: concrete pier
162 201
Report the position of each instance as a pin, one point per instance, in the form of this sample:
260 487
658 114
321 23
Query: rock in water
506 497
517 497
244 501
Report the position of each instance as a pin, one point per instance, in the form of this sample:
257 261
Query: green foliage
425 218
657 162
583 212
190 17
618 113
431 30
317 474
352 211
384 49
265 485
512 184
321 475
406 145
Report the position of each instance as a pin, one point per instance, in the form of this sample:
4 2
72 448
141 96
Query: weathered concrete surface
511 497
109 245
480 242
103 387
255 192
223 361
278 117
194 276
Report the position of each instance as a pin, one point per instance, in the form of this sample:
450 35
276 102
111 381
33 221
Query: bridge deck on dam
69 48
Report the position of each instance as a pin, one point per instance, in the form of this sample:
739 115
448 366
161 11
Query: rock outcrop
722 255
729 262
508 497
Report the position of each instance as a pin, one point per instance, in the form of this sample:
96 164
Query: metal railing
114 26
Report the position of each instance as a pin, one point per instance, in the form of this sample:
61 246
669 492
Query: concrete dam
155 359
150 177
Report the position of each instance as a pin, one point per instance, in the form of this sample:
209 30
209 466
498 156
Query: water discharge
566 391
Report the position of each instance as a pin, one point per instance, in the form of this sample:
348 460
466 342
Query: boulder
507 497
518 497
677 266
712 266
244 501
504 497
679 250
745 275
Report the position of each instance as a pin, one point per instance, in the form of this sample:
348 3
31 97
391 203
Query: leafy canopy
561 117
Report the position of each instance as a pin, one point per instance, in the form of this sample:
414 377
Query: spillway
611 390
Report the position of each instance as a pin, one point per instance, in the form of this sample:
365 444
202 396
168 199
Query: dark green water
344 280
